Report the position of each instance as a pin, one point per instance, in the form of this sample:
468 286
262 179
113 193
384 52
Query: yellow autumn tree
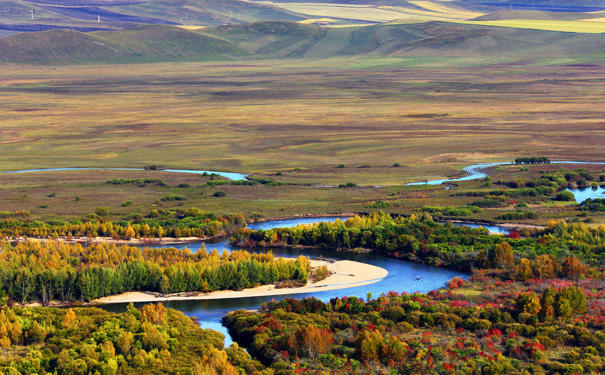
69 319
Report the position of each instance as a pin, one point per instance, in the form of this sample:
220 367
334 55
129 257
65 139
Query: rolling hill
119 14
277 39
419 39
140 44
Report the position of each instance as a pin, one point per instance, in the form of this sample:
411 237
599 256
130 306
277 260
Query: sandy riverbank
345 274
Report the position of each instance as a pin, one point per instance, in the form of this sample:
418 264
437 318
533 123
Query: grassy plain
433 116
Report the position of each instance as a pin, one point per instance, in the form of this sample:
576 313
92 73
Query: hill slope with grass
140 44
270 40
279 39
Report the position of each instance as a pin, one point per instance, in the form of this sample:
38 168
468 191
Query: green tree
503 256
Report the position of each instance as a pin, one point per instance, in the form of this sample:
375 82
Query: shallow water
582 194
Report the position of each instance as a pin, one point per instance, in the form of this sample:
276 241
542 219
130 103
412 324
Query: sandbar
345 274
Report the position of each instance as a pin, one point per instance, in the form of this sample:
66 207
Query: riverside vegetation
533 304
531 294
47 271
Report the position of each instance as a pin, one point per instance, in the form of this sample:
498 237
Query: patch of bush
565 196
102 211
173 197
216 182
379 204
519 215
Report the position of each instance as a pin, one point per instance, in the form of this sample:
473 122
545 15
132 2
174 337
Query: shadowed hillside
141 44
421 39
270 40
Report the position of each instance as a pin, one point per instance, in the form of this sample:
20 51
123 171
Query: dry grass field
431 116
592 26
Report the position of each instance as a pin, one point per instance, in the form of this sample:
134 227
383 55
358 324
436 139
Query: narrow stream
229 175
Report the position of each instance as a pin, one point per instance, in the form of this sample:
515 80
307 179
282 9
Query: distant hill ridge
277 39
536 15
140 44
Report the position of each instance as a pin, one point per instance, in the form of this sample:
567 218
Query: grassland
272 116
291 124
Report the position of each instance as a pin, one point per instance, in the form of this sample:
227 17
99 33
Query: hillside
270 40
119 14
39 15
141 44
420 39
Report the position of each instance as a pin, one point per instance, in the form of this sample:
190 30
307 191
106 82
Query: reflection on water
492 228
582 194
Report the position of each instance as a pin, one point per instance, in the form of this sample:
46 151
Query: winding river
477 171
473 172
403 277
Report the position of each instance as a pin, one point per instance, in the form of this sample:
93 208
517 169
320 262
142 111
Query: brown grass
268 117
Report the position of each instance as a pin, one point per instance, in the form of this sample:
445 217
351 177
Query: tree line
165 223
46 271
420 239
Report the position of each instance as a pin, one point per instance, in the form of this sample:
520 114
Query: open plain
296 123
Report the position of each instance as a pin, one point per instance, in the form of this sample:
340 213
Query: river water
477 171
229 175
403 277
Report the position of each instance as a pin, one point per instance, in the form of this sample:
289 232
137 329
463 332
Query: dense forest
52 270
533 305
483 326
420 239
79 341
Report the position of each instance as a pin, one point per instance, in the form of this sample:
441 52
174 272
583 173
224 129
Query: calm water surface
583 194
